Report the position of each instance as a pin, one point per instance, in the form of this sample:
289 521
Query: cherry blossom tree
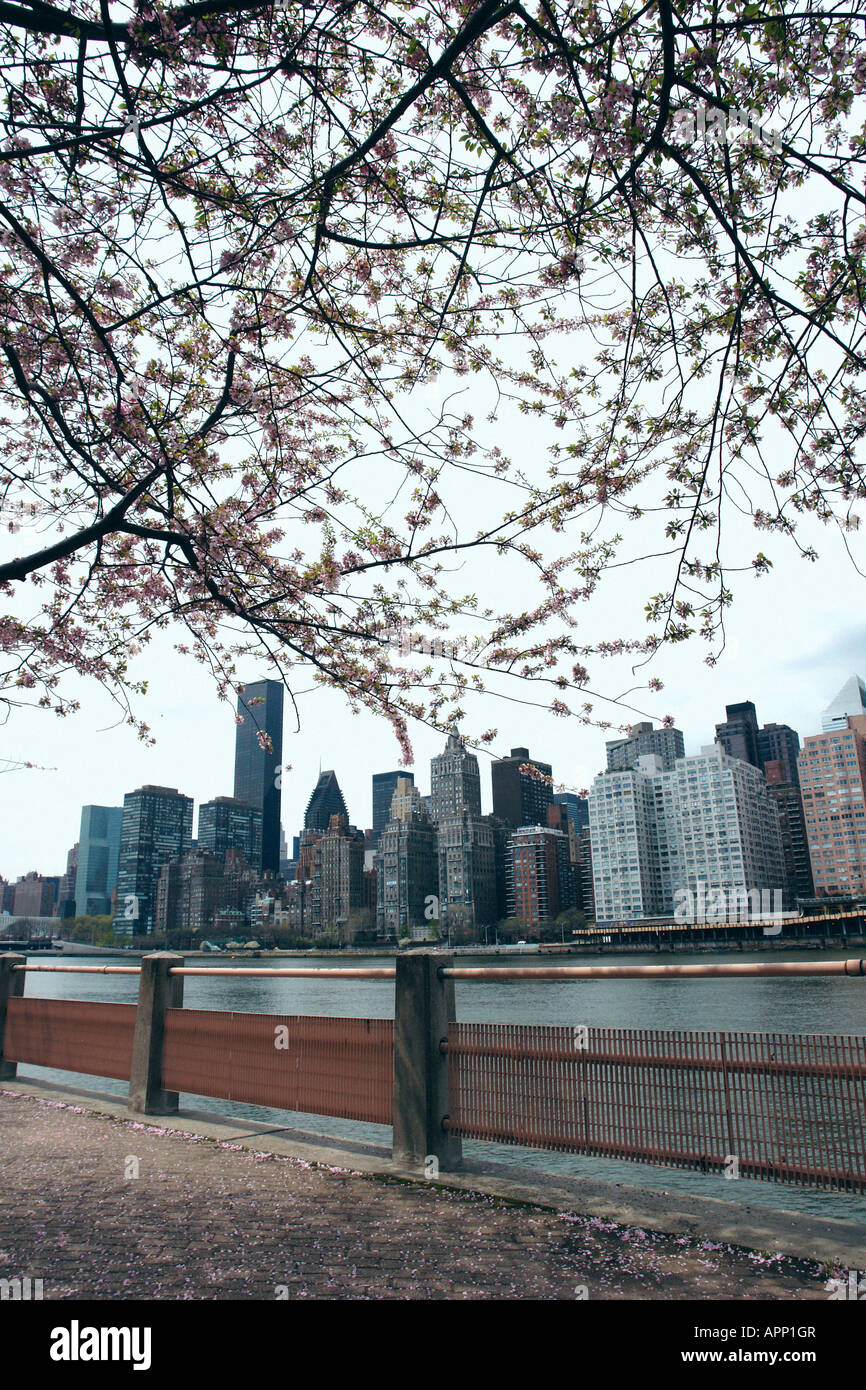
280 286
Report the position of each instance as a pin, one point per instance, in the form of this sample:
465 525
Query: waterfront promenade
227 1213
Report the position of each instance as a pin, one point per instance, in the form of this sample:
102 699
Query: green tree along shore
99 931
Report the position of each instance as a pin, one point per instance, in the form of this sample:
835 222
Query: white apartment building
623 834
710 821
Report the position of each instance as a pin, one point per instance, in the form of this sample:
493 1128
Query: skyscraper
338 879
628 880
467 862
226 823
643 740
522 789
779 743
455 781
406 867
725 827
540 876
576 806
384 786
738 735
66 894
792 824
851 700
156 828
710 821
741 738
258 759
467 874
833 782
325 802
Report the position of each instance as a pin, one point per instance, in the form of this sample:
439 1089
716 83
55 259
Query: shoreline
762 945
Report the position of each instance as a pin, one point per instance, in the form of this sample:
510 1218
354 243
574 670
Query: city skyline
658 824
567 746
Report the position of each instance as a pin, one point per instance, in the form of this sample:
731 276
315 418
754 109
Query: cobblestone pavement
210 1220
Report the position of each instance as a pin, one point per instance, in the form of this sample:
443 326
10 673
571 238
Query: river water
784 1005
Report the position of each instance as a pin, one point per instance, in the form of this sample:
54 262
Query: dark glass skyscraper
257 767
225 824
98 855
326 801
156 828
576 806
384 786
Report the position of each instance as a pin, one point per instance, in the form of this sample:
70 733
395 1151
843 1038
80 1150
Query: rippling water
804 1005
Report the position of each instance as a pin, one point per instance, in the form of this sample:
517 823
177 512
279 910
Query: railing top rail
344 973
82 969
718 970
703 970
287 972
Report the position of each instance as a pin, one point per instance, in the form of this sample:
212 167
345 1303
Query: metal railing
782 1107
788 1108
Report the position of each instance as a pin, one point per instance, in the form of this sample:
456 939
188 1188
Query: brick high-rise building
307 853
779 743
776 747
199 890
540 876
833 785
738 735
522 789
35 896
741 738
338 879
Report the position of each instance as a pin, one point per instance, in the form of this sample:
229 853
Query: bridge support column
11 987
423 1008
157 991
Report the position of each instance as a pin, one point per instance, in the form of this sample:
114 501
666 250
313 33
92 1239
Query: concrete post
423 1008
11 987
157 991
